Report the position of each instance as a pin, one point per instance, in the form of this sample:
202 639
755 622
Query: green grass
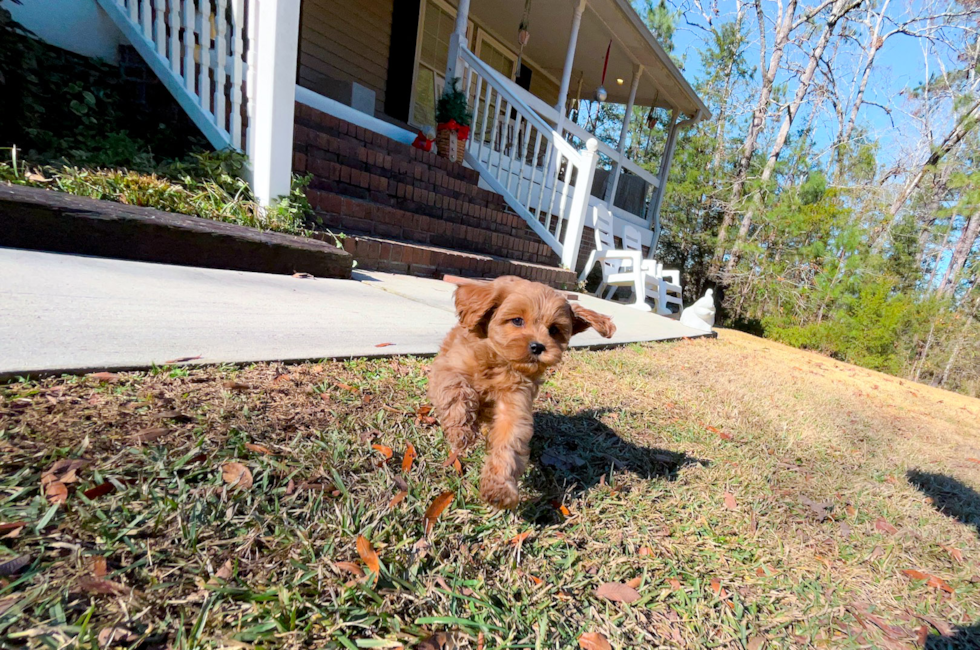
628 441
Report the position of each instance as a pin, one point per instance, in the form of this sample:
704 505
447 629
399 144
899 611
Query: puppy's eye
518 322
554 331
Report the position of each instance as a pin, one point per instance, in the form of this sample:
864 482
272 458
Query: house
339 90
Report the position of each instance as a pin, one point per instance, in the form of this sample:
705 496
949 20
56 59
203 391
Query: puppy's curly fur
490 366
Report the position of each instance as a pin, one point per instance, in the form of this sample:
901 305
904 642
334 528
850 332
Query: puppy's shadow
570 454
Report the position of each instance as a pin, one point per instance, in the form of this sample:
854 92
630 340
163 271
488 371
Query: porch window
437 28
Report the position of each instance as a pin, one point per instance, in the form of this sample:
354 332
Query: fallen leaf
100 586
148 435
281 377
850 510
563 509
635 583
535 579
458 467
398 498
674 583
98 566
400 483
436 508
223 574
518 539
11 527
974 460
938 583
755 643
173 415
348 387
14 566
350 567
617 592
593 641
730 501
259 449
56 492
645 551
383 345
116 635
184 359
922 636
303 276
821 510
236 475
236 385
384 451
368 554
438 641
103 376
885 527
290 487
408 458
916 575
954 553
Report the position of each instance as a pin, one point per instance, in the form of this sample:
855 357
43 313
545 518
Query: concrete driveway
68 313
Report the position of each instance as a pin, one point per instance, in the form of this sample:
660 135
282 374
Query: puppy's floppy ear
583 319
475 303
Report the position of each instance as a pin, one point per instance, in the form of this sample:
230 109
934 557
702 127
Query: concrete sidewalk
66 313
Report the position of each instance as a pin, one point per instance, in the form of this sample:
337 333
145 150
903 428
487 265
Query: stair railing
523 158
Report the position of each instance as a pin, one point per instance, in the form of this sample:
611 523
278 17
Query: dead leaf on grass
932 581
368 554
14 566
236 385
882 525
973 460
954 553
383 345
635 583
350 567
408 458
398 498
103 376
645 551
674 583
148 435
436 508
383 450
56 492
223 574
594 641
98 566
730 502
438 641
103 587
116 635
259 449
11 529
518 540
237 476
617 592
755 643
821 510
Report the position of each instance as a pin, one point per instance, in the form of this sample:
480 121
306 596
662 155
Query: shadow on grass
962 638
949 496
571 454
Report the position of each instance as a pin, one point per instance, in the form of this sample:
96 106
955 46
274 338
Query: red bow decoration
462 132
423 143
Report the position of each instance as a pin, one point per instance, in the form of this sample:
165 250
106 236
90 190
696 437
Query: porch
241 67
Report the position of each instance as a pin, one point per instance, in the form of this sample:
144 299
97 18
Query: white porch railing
523 158
199 50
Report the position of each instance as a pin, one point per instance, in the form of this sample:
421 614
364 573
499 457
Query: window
437 27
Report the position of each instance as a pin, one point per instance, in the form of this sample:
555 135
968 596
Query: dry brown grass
751 488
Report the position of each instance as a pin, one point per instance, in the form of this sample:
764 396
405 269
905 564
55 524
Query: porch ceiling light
619 81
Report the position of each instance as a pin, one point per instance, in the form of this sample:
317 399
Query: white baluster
562 217
174 16
221 51
238 18
554 190
189 71
534 168
483 122
525 142
146 18
160 31
133 5
205 80
504 124
252 13
549 152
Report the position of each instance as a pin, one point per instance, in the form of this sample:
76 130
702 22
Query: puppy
491 365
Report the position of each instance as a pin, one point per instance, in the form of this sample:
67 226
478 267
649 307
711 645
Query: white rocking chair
620 268
661 285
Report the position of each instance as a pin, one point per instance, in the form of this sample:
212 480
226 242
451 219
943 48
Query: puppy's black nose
537 348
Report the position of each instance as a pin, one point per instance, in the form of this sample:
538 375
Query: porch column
270 142
658 196
623 133
566 73
457 40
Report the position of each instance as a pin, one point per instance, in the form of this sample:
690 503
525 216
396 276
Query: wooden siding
346 41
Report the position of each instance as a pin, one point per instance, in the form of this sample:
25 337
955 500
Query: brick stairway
408 211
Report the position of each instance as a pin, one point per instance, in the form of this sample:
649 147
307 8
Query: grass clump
205 184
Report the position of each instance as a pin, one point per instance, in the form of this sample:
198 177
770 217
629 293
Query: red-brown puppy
490 366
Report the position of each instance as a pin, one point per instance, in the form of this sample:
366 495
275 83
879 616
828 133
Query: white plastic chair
620 268
660 285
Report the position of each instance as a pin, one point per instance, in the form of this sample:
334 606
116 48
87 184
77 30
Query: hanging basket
449 143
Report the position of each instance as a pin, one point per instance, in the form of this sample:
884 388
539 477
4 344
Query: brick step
384 254
509 236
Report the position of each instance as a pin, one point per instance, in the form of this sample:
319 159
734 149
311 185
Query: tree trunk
971 230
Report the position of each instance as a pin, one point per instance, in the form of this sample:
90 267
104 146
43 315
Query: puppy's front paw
498 492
